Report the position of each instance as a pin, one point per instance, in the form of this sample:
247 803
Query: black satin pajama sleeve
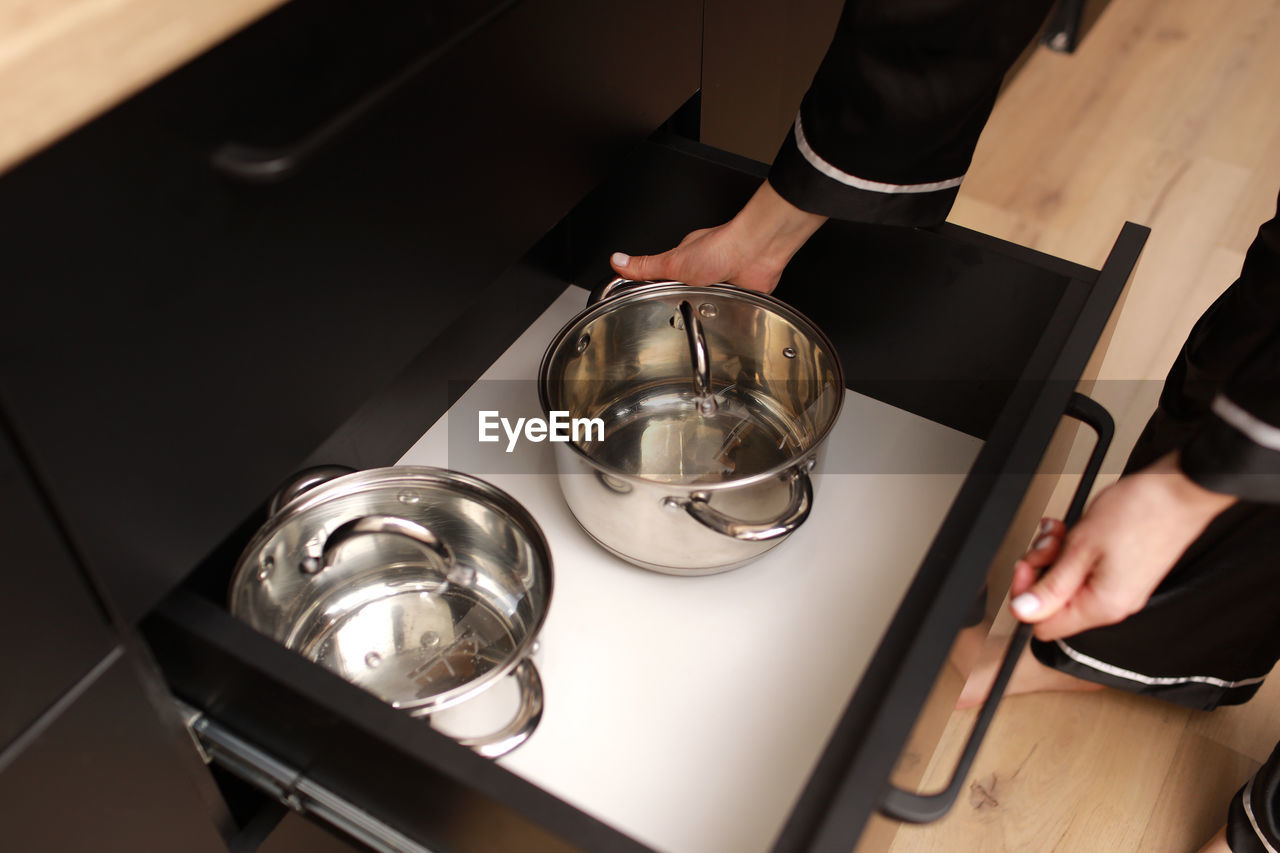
888 126
1233 354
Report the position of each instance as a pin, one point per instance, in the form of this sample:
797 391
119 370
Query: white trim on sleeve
1258 430
1150 680
862 183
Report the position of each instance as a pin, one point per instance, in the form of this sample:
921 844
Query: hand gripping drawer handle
923 808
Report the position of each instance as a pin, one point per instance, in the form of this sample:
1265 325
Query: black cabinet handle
258 164
925 808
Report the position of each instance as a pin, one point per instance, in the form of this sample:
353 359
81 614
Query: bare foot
967 648
1217 844
973 655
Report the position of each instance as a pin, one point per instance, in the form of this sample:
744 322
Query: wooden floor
1168 115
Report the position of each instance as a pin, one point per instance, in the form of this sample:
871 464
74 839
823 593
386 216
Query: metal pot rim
401 476
649 289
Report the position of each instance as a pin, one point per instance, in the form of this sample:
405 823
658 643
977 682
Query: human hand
750 250
1106 567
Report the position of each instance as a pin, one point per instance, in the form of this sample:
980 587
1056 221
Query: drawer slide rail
287 784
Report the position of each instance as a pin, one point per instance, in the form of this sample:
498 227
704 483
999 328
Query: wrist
1188 492
776 226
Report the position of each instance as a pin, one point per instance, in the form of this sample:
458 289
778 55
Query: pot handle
698 505
602 292
611 288
925 808
304 481
373 524
526 718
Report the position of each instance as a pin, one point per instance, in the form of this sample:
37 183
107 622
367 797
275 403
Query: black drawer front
420 784
54 629
176 342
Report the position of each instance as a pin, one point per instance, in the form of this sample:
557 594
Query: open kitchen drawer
981 336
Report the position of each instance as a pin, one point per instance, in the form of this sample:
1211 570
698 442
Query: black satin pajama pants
1208 637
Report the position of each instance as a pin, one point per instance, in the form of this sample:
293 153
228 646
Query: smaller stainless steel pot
715 403
423 586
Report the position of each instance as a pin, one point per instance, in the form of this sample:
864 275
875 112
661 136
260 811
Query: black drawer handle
924 808
256 164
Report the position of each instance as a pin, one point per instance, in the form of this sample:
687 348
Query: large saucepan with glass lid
714 404
423 586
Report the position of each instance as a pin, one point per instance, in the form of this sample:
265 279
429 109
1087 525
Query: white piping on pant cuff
862 183
1246 796
1258 430
1151 680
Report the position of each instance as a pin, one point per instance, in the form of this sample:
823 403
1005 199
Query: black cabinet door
104 775
175 341
53 630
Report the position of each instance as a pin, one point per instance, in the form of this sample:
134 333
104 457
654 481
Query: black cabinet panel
175 342
53 630
378 759
104 776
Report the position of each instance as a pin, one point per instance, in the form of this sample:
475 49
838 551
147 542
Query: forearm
1200 504
775 226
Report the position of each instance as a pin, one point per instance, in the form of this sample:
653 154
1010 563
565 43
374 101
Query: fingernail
1046 524
1025 605
620 260
1042 542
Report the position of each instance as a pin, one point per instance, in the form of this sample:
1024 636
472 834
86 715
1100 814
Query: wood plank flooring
1167 115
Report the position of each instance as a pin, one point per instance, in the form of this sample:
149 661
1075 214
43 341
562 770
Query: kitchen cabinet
178 339
244 271
54 629
103 772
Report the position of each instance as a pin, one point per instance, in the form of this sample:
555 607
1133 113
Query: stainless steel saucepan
715 403
423 586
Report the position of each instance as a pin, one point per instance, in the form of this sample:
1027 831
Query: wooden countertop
63 62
